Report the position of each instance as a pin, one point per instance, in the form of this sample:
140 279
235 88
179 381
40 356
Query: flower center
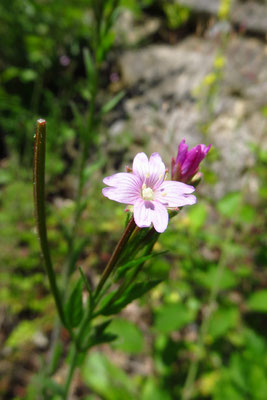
147 193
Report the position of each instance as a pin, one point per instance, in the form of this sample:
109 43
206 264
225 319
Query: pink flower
147 191
187 162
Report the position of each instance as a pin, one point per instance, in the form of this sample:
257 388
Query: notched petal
160 217
143 211
140 166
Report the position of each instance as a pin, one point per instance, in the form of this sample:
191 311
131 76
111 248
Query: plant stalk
39 205
116 254
72 366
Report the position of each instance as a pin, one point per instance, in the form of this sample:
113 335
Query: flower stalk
116 254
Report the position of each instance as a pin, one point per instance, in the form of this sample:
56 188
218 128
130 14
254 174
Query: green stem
39 205
77 347
74 353
116 254
153 235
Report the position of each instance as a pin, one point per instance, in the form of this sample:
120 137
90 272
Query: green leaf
74 305
209 278
229 205
57 353
248 213
98 335
78 248
54 387
197 215
222 320
112 102
106 379
5 176
99 339
88 61
258 301
79 120
173 317
152 391
133 292
22 333
130 338
28 75
135 263
86 282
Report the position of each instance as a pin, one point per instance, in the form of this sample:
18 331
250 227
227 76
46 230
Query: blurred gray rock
130 33
207 6
249 15
163 107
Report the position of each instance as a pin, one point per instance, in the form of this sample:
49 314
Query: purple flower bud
187 162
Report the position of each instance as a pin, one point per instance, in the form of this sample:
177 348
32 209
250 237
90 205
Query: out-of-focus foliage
42 42
176 14
211 306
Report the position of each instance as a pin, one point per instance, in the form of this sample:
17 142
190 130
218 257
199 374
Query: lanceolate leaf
74 306
112 103
135 263
135 291
89 64
98 335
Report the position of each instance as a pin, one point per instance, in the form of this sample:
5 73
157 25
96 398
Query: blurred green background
204 327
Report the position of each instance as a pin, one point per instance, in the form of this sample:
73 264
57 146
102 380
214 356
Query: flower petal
124 178
121 195
143 213
156 171
140 166
125 188
160 217
205 149
193 159
175 194
182 152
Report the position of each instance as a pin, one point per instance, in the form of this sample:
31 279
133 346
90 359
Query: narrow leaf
103 338
80 244
98 335
78 118
85 281
135 263
56 358
133 292
88 61
53 386
74 306
112 103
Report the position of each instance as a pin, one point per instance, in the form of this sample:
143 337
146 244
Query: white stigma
147 193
